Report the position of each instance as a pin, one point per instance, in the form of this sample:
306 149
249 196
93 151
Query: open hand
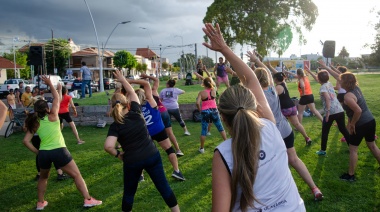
46 80
252 56
217 42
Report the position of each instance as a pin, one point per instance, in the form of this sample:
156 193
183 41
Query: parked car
77 86
67 79
109 83
55 79
69 85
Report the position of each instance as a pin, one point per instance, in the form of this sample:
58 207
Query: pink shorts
222 79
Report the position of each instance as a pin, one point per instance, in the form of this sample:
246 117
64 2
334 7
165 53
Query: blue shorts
211 115
289 111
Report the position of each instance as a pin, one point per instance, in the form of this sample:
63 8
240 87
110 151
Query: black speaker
328 49
36 55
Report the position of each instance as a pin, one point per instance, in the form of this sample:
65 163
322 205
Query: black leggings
36 141
339 118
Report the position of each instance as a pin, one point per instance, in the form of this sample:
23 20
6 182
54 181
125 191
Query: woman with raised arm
249 170
169 97
45 122
208 111
155 124
333 109
200 69
164 113
361 123
140 153
283 125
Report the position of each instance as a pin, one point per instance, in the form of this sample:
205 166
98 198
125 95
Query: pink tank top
210 102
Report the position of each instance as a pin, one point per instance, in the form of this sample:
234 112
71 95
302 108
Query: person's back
274 186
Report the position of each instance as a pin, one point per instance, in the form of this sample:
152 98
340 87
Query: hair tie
240 108
117 101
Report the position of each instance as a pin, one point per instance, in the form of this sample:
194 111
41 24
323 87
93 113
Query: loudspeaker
36 55
328 49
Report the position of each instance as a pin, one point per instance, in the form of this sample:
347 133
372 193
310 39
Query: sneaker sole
179 154
40 209
91 205
178 178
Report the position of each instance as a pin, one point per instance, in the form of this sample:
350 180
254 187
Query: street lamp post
182 48
100 55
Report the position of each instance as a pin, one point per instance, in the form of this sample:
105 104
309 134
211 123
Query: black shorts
65 116
366 131
340 97
60 157
307 99
289 141
160 136
200 72
36 141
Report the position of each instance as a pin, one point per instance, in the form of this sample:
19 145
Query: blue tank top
221 70
152 118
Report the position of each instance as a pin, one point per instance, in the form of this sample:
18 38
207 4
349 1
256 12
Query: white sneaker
208 134
187 133
202 150
179 153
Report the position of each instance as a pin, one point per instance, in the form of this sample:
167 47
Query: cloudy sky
169 23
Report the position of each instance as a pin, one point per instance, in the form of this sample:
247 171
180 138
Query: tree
283 41
124 59
374 58
144 67
207 61
165 65
188 61
258 23
139 67
62 53
21 59
343 53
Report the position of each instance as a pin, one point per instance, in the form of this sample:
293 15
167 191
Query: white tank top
274 185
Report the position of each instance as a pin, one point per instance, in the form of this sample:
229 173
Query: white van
55 79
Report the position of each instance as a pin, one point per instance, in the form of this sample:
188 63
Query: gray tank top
366 115
282 123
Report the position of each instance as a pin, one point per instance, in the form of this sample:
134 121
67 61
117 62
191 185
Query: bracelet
117 153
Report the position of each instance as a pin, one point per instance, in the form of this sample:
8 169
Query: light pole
155 62
14 56
161 54
102 56
182 48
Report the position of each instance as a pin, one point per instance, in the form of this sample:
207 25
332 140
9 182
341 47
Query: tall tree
343 53
283 41
21 59
124 59
258 23
375 55
62 53
207 61
165 65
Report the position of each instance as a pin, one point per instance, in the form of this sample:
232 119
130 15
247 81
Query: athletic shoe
179 153
91 202
321 152
308 141
201 150
81 142
37 177
178 175
318 196
208 134
348 177
62 176
41 205
141 178
187 133
343 139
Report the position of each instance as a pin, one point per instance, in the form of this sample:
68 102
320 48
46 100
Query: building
4 65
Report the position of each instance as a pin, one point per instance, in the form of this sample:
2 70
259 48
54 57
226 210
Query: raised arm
312 74
53 116
245 73
333 73
130 91
230 71
3 113
147 89
156 83
253 58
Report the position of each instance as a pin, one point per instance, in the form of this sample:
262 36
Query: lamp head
124 22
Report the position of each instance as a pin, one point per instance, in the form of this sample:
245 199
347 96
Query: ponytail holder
240 108
117 101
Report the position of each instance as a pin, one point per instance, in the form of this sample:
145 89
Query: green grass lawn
103 173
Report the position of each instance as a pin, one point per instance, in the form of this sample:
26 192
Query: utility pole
52 39
196 54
